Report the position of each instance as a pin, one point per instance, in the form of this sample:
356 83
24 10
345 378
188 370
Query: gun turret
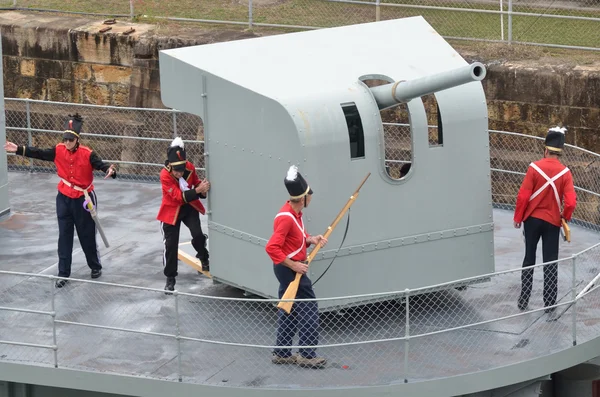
403 91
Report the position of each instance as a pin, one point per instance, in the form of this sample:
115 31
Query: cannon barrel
403 91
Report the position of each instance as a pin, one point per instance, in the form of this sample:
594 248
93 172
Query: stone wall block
120 94
511 111
96 94
27 67
82 71
51 69
11 65
77 91
91 48
586 138
589 118
540 114
111 74
121 50
60 90
29 87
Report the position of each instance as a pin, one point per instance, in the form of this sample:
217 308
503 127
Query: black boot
170 286
204 261
61 283
522 303
205 266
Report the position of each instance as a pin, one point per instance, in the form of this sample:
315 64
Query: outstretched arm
30 151
99 164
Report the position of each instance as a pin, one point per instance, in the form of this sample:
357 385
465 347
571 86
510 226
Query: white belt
79 189
301 228
549 182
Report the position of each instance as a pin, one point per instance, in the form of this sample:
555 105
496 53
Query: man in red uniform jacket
287 250
182 190
75 165
546 184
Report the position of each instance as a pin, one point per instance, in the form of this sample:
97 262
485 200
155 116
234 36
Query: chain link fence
407 336
565 23
134 139
403 336
510 156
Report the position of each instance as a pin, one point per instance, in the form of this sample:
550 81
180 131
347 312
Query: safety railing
135 139
401 336
397 336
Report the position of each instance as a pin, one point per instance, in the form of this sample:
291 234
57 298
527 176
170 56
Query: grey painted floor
28 242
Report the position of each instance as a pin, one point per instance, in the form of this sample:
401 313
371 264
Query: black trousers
549 233
304 317
191 218
71 215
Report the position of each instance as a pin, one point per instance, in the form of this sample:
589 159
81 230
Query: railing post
377 10
174 123
509 21
249 14
501 21
131 10
406 334
29 139
574 306
54 323
178 335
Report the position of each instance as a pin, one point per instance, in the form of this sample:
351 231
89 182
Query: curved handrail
266 308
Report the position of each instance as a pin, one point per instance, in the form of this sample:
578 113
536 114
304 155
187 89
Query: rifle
92 210
292 289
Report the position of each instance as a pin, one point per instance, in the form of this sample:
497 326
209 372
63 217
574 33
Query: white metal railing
226 307
250 323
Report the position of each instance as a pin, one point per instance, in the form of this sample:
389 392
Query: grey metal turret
403 91
301 99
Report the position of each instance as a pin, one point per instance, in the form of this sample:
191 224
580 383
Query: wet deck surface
28 241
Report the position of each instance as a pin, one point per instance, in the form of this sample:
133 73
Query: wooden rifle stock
566 231
292 289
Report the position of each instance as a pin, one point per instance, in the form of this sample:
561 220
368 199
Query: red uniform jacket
544 205
76 167
173 197
289 236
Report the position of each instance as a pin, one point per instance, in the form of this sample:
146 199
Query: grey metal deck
28 244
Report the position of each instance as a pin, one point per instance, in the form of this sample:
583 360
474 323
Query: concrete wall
67 59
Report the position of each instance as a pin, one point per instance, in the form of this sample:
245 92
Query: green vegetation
323 13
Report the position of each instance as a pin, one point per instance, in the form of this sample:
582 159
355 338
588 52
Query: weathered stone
149 98
28 87
590 117
77 92
96 94
11 65
111 74
586 138
59 90
145 49
28 67
91 48
82 71
511 112
51 69
120 94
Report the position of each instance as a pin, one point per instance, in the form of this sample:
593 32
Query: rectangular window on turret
355 130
